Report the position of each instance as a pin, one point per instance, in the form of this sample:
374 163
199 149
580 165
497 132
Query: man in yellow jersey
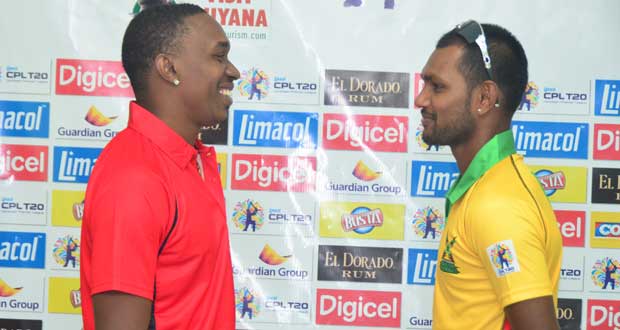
500 254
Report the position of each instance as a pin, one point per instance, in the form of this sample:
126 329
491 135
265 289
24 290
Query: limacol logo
550 139
24 119
72 164
607 98
275 129
432 179
22 249
422 266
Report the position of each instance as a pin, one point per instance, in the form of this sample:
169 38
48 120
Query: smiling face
205 73
445 101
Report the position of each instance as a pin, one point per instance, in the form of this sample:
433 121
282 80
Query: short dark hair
153 31
508 63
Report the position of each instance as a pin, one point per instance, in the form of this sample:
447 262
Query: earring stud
176 82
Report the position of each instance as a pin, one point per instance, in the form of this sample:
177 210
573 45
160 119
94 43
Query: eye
437 87
221 57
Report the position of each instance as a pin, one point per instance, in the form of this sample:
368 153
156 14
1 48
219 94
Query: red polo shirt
145 175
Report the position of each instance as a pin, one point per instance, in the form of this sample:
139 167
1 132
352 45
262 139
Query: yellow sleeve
509 237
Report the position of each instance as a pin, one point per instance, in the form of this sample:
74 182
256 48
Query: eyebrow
223 44
426 77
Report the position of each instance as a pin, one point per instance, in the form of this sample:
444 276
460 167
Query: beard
452 131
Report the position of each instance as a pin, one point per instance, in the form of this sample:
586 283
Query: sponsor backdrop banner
322 150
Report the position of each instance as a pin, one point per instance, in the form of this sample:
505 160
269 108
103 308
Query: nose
422 100
231 71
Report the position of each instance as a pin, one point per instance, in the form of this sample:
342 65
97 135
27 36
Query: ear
164 66
488 98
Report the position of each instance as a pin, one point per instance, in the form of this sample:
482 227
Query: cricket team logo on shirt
605 274
447 264
247 303
248 213
503 257
428 222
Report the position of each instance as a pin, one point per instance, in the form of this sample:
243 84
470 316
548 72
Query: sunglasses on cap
472 32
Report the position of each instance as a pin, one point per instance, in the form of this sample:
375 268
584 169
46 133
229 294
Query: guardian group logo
275 129
551 139
27 297
24 119
607 98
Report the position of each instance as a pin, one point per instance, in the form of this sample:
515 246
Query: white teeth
226 92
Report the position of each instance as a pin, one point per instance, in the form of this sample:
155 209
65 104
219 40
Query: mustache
426 113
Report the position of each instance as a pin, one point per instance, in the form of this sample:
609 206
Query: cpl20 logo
530 97
66 251
428 221
247 303
605 273
254 83
248 213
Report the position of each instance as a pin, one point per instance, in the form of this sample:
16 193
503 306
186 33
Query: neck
167 111
465 152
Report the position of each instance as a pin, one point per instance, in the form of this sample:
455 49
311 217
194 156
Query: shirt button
208 154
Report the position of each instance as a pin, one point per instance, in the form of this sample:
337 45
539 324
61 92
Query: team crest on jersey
503 257
447 264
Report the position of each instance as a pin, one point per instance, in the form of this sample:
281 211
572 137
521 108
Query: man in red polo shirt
155 249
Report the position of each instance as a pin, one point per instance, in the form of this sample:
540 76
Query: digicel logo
23 162
603 315
273 172
378 133
606 141
96 78
359 308
572 227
